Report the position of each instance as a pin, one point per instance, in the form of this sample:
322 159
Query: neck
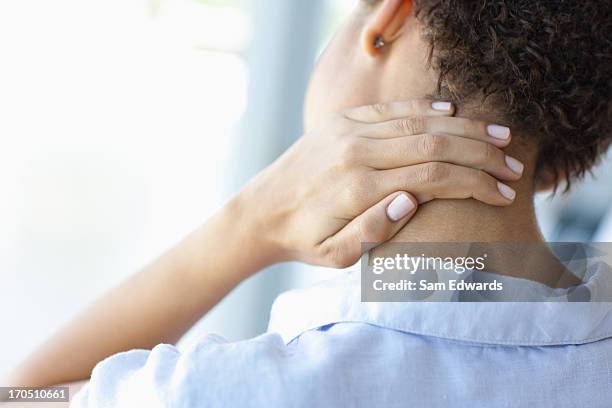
473 221
470 221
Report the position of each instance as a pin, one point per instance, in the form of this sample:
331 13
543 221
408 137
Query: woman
357 177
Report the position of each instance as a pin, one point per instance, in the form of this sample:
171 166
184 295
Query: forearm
157 305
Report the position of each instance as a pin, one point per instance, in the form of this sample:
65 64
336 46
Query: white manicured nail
515 165
442 106
506 191
498 132
399 208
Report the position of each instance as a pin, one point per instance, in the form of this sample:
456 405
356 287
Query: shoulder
214 372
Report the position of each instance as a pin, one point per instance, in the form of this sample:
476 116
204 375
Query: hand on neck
472 221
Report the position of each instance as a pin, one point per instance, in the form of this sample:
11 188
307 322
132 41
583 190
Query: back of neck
472 221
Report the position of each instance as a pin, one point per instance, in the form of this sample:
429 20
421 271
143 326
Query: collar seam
487 341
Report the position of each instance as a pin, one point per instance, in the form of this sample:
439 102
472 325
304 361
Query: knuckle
488 154
433 173
419 123
362 182
401 126
372 231
350 152
481 180
354 195
468 127
378 109
432 146
410 126
413 105
336 257
353 198
475 128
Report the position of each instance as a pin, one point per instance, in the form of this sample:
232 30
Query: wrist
248 224
221 253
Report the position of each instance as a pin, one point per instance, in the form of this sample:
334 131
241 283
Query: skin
317 203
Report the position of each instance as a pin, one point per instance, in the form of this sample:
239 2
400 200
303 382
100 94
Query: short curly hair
546 64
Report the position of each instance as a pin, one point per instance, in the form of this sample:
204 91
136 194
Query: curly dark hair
546 64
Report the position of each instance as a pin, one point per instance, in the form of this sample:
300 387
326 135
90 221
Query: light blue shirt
325 348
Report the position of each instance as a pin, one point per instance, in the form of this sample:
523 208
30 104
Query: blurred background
126 123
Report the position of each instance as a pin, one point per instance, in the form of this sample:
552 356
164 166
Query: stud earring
379 42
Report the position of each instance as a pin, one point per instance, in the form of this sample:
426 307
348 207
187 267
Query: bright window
117 123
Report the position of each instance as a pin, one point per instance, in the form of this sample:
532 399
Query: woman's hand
347 182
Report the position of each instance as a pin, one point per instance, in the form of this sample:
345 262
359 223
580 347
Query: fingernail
442 106
506 191
498 132
399 208
515 165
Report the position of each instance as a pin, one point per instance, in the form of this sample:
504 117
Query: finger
376 225
381 112
443 180
413 150
469 128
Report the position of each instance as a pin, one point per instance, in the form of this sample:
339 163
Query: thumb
376 225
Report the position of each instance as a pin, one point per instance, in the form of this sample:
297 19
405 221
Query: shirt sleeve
214 373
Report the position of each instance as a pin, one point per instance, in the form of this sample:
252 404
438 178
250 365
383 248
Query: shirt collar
497 323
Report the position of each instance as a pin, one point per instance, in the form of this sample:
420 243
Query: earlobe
385 25
373 42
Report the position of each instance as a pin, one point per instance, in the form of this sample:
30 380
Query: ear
386 22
